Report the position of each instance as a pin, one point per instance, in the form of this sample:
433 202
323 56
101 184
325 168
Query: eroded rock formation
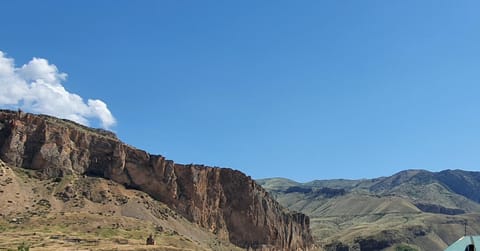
225 201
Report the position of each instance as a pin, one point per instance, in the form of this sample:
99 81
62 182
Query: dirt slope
88 213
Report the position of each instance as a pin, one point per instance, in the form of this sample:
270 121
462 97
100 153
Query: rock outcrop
438 209
225 201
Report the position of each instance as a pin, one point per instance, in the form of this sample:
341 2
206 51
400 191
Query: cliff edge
224 201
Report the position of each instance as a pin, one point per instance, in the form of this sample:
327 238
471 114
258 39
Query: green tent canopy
466 243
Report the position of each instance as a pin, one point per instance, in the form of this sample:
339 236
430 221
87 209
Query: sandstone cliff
224 201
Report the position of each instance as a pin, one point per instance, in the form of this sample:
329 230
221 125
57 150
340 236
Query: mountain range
410 210
67 186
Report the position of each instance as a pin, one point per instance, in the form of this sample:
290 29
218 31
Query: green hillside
414 209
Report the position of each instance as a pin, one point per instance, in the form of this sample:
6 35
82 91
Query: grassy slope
276 183
389 213
96 214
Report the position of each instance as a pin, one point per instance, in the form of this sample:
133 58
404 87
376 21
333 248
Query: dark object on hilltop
150 240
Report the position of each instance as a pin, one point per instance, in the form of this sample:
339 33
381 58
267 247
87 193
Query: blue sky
297 89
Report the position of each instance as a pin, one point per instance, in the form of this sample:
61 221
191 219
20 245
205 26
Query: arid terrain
411 210
90 213
64 185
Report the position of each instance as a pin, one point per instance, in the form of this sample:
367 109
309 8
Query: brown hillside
223 201
413 209
89 213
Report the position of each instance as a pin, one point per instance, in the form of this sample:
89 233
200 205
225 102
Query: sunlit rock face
224 201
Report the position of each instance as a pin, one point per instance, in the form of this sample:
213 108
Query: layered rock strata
225 201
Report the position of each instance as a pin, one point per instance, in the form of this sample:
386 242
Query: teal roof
463 242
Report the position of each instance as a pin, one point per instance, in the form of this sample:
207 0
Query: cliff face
225 201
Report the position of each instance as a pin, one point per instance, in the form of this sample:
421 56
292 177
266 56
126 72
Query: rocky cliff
224 201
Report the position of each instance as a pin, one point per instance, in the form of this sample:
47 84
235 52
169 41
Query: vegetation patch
23 247
405 248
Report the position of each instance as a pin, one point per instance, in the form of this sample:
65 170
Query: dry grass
392 217
96 215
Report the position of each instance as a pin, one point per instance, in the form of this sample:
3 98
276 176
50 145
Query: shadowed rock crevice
437 209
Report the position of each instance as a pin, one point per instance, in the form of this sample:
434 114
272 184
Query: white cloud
37 87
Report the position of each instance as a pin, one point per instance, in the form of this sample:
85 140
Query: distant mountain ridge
345 213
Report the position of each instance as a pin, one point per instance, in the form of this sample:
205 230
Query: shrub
23 247
405 248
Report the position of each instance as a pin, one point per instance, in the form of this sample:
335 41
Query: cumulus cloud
37 87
